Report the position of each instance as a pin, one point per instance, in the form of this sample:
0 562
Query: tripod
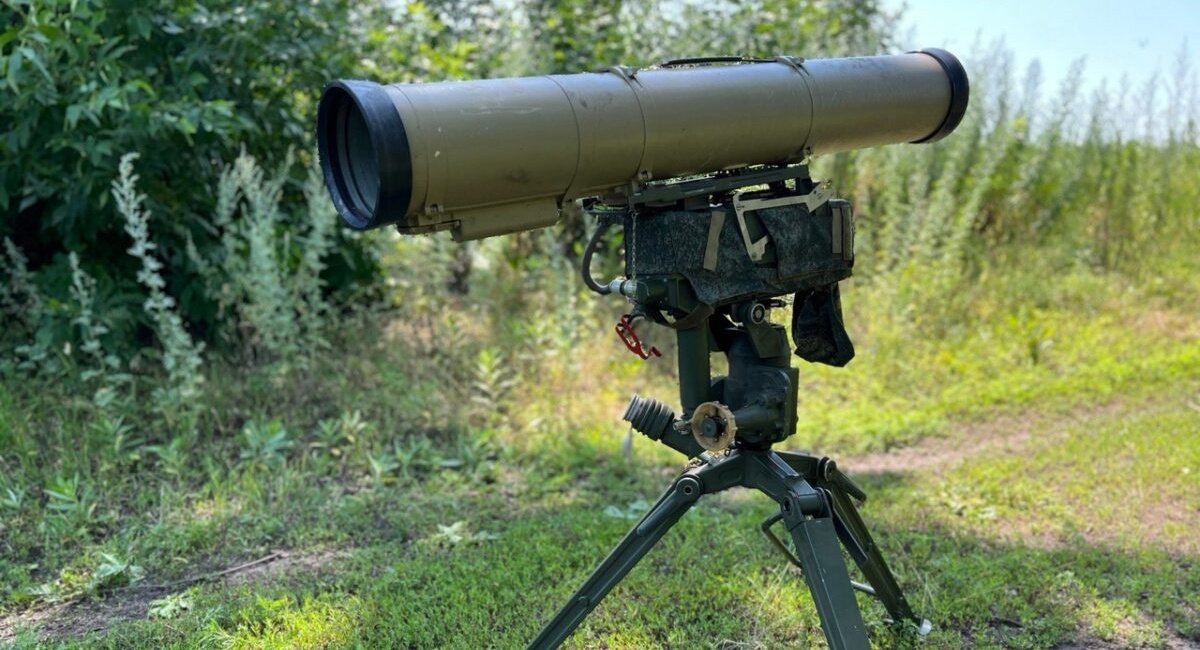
816 500
709 258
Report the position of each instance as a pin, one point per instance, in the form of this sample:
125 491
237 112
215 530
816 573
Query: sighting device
701 162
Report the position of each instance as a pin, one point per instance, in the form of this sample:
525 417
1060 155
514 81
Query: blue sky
1116 38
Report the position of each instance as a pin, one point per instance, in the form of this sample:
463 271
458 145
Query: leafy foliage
785 27
170 606
185 85
265 443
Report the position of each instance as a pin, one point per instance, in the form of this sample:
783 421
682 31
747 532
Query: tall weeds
179 354
23 308
267 279
99 366
1101 183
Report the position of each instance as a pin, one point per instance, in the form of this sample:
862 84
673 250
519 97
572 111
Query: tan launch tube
498 156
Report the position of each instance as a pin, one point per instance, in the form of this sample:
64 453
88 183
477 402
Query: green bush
184 84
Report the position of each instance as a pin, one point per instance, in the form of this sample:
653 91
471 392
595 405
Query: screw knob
713 426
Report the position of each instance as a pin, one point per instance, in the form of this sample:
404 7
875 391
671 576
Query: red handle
631 340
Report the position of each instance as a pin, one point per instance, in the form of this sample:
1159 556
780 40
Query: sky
1116 38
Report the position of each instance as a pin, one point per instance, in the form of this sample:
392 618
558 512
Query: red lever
630 338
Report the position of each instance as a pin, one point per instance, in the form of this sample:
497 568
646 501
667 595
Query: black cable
586 263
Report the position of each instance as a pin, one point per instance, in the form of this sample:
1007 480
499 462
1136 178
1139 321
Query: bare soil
1003 435
81 616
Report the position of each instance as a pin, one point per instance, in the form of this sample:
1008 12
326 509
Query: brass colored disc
723 415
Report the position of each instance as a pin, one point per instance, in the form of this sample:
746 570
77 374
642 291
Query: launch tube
495 156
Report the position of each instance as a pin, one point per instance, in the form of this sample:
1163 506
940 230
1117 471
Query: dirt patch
1168 323
260 572
1002 435
1011 436
74 618
77 617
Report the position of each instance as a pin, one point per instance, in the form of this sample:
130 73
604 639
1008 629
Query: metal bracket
756 249
709 60
794 62
658 193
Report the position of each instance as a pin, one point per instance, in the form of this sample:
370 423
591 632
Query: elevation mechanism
710 258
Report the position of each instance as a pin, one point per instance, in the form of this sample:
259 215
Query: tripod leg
825 572
853 532
677 500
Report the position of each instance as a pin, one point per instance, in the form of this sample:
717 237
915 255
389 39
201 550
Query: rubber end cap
960 93
364 153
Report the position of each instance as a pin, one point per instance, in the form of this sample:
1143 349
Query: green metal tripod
816 500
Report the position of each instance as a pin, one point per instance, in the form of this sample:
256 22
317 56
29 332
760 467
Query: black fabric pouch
817 327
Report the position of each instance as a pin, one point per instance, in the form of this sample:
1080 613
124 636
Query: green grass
410 524
1016 342
1032 549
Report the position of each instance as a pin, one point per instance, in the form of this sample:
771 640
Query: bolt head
712 427
758 313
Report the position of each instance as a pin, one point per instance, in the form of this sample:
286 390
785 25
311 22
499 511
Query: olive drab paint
489 157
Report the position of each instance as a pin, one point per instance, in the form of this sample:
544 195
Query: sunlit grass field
1033 479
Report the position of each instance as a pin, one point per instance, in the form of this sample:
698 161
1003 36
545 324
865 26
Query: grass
1080 339
408 524
1017 550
